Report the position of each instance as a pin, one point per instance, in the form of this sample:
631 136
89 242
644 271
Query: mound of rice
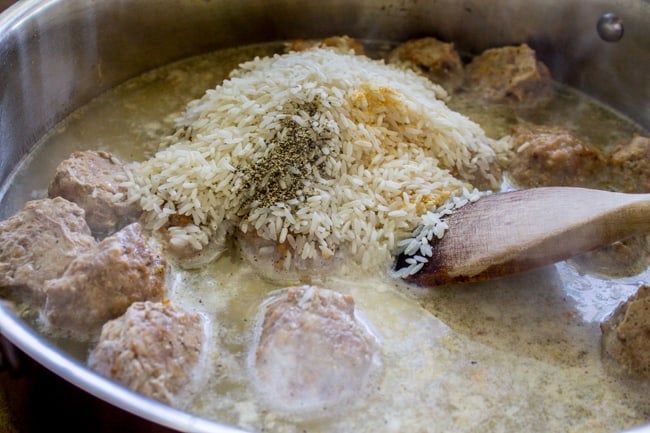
321 151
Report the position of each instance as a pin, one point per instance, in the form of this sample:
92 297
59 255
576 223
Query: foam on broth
518 354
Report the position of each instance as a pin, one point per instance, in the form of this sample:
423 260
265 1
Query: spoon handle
512 232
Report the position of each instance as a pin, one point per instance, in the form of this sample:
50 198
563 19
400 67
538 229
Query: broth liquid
518 354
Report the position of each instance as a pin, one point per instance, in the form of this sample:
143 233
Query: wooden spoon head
512 232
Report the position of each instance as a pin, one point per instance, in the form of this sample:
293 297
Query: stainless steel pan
55 55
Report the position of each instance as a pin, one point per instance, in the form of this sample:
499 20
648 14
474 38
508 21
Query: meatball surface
343 44
509 75
626 334
102 282
553 156
91 179
630 164
154 348
190 256
40 241
276 261
437 59
311 352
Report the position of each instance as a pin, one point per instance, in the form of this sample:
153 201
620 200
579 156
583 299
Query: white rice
380 181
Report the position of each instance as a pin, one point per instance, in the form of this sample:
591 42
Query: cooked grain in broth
517 354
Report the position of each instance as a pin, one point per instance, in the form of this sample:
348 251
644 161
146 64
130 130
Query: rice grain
319 150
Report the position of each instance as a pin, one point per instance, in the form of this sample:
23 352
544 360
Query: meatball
626 334
91 179
277 262
553 156
38 243
191 256
154 348
630 165
509 75
343 44
102 282
438 60
312 353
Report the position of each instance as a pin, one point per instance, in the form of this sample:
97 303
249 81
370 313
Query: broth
518 354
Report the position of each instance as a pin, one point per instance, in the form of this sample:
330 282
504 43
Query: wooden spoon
506 233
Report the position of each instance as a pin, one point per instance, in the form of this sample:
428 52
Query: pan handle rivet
610 27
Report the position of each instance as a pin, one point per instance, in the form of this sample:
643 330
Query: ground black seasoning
294 152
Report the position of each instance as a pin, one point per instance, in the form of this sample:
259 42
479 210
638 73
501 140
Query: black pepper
293 155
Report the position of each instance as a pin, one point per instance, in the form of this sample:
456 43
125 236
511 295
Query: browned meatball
340 43
91 179
102 282
40 241
509 75
154 348
630 165
626 334
438 60
311 352
553 156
